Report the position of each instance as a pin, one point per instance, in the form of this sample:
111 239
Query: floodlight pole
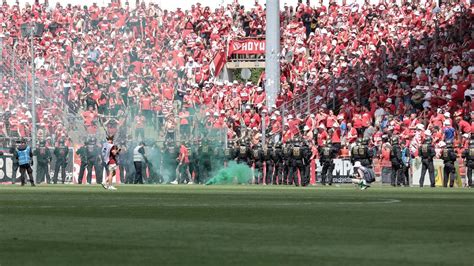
33 98
272 56
1 57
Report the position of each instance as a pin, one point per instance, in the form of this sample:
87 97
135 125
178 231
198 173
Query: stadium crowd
411 66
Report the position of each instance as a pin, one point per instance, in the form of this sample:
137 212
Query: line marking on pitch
283 204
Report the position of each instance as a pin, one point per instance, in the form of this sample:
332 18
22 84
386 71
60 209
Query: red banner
246 46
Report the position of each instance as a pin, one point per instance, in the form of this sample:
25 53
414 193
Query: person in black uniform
307 154
193 160
366 154
355 155
217 161
205 154
82 152
123 161
15 165
257 158
296 163
448 155
468 155
43 158
327 154
171 161
243 154
94 160
269 167
397 162
427 153
61 153
228 153
286 162
276 161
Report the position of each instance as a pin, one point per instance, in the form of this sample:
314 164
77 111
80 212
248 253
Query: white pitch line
387 201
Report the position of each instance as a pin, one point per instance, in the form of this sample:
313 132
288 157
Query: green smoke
234 173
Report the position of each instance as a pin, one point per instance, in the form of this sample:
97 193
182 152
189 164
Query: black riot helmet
359 141
365 141
42 143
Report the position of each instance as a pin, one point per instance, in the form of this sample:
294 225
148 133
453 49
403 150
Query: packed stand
410 66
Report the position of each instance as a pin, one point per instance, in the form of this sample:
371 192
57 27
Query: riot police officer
286 162
365 154
468 155
267 159
15 165
229 153
427 153
170 161
355 156
327 154
43 158
449 158
82 152
217 161
61 152
243 154
205 167
193 160
257 157
397 162
307 154
277 163
296 163
94 160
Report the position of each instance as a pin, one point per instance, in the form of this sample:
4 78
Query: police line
6 163
343 170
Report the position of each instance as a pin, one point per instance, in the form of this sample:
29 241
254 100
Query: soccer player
362 176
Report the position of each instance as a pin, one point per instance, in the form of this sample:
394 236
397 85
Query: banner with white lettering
342 173
246 46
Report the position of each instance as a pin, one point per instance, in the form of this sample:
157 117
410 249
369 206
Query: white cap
306 128
447 123
357 164
447 114
389 100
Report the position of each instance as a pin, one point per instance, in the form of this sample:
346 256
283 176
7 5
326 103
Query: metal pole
272 51
13 62
1 57
33 98
358 83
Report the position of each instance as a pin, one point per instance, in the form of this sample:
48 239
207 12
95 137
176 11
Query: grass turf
235 225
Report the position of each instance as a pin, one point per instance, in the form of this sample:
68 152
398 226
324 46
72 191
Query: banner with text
246 47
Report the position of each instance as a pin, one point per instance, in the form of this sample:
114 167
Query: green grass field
235 225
